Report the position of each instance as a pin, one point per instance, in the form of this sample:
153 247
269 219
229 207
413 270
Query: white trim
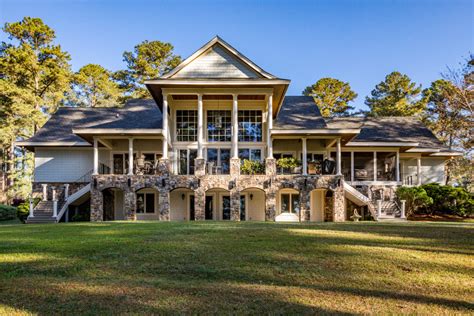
446 154
113 131
55 144
220 82
322 131
383 144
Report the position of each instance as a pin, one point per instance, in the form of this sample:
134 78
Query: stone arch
182 204
112 203
253 205
288 204
221 203
149 200
316 205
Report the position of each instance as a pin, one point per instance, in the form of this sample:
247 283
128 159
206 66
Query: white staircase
389 210
44 211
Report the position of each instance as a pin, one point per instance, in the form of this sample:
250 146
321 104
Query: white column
66 190
379 208
55 208
397 167
305 158
165 127
130 156
418 170
54 194
31 207
375 166
352 166
402 209
269 126
45 192
96 157
235 127
200 124
338 157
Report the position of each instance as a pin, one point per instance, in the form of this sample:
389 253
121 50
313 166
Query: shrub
252 167
7 212
449 200
287 163
415 197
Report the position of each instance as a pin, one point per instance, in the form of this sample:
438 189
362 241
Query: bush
449 200
23 210
7 212
252 167
287 163
415 197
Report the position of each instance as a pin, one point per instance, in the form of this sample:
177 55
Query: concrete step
33 220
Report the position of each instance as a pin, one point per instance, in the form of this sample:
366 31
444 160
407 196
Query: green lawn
209 267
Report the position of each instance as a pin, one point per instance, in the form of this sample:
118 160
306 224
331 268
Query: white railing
71 199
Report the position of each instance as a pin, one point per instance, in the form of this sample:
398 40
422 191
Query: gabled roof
58 130
217 59
299 112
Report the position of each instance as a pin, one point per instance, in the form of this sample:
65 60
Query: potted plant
288 164
252 167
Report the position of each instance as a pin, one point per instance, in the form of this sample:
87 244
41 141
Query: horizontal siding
63 165
432 170
216 63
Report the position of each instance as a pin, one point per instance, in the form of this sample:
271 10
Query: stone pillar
164 167
97 206
95 170
199 204
234 167
338 205
200 127
269 126
165 127
164 204
235 127
270 166
305 205
235 205
199 167
129 205
270 204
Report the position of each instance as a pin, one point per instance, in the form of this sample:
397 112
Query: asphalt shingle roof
299 112
137 114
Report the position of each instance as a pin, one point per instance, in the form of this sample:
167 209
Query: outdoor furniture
356 217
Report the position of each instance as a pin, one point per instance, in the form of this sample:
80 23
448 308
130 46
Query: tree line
36 78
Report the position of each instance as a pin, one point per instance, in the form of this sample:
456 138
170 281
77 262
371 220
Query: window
186 125
290 203
250 125
145 203
363 166
386 166
219 126
120 163
186 161
219 159
250 154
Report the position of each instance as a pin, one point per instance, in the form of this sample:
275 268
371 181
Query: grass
237 268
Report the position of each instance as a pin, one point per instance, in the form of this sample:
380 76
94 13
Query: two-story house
215 142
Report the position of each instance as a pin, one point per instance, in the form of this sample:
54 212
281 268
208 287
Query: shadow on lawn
195 267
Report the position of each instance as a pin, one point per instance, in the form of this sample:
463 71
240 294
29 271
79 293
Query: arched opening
317 204
146 206
288 205
182 204
113 204
217 204
252 204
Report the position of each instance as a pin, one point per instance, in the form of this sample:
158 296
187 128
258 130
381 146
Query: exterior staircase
389 209
43 212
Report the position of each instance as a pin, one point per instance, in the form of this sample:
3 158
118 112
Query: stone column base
234 167
199 167
270 166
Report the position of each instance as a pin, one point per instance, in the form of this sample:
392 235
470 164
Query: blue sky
356 41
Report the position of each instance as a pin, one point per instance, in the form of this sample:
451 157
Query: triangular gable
217 59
